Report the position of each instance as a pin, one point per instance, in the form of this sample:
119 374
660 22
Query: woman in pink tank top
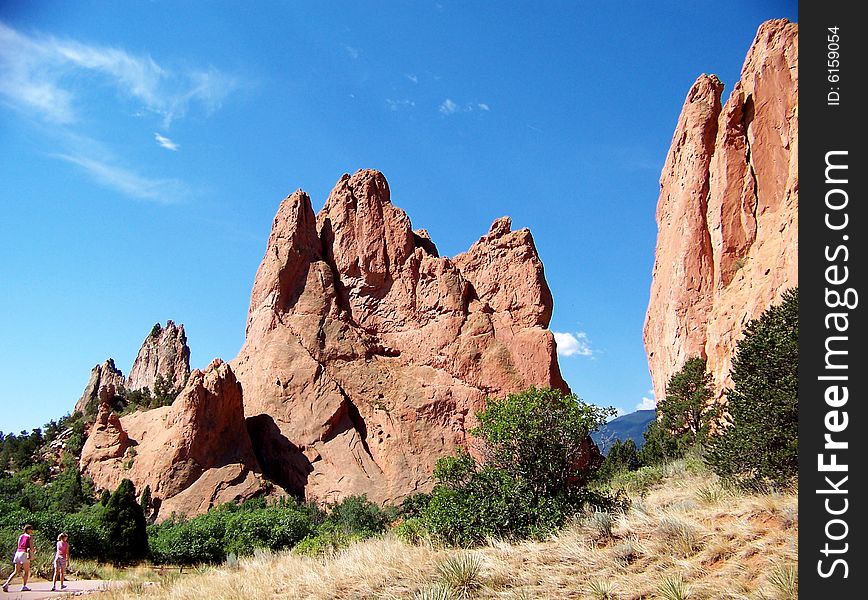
61 559
21 562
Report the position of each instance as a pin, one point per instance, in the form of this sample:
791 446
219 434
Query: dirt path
42 589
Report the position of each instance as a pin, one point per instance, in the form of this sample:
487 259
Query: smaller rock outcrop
164 353
101 376
193 454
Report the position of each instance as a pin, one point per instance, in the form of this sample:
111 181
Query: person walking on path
21 561
61 559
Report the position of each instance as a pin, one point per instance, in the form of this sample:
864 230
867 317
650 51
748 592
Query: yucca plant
673 587
784 580
460 573
438 591
600 589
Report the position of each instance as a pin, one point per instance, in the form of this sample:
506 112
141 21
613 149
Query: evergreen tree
685 412
145 501
659 447
760 444
125 526
622 456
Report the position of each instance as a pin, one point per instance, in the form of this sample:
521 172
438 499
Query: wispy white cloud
570 344
49 80
39 74
399 104
648 402
126 181
413 78
165 142
450 107
353 52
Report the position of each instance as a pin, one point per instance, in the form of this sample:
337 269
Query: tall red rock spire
727 243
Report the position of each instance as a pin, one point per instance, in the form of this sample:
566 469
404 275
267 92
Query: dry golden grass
685 538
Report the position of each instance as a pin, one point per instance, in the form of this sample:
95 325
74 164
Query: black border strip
832 227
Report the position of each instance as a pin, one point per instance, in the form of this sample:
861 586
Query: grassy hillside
684 537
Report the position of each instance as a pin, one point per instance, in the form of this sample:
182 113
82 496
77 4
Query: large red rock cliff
367 352
727 244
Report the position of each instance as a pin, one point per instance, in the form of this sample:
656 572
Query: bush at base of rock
271 528
538 459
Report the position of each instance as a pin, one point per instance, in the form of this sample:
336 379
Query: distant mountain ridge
631 426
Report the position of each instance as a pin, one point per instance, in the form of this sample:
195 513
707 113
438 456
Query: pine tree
125 526
760 444
686 412
145 501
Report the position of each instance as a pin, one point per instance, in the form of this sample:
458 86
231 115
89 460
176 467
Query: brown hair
28 526
61 536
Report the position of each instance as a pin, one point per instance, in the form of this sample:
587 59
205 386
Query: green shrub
197 541
760 444
411 530
271 528
414 505
324 542
356 515
538 457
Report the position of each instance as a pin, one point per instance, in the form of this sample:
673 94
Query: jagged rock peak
727 244
100 376
164 353
367 352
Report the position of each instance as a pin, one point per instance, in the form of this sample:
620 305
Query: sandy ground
42 589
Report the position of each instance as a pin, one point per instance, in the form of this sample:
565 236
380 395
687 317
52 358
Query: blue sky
145 147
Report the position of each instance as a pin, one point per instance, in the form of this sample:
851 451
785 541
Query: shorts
59 563
21 558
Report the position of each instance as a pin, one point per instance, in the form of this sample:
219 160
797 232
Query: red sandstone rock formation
101 376
165 353
193 454
367 353
727 242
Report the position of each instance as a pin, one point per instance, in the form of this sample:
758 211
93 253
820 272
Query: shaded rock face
101 376
194 454
165 353
366 352
727 244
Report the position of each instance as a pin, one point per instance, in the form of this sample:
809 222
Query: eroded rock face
727 244
164 353
193 454
100 376
367 352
